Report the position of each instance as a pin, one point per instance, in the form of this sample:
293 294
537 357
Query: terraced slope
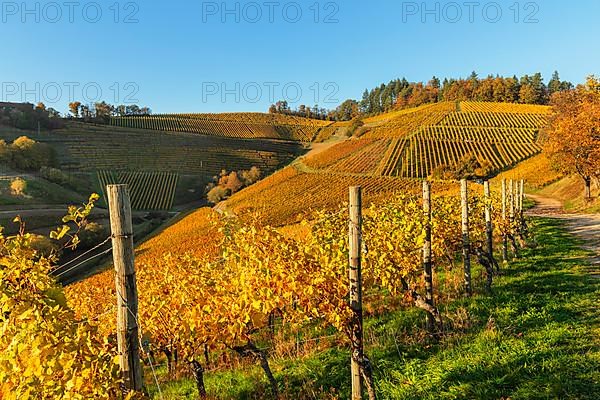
286 196
234 125
148 190
396 148
92 148
412 143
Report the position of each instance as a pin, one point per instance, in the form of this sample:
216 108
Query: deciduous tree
572 139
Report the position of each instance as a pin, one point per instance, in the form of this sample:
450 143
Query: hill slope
147 159
395 148
235 125
413 143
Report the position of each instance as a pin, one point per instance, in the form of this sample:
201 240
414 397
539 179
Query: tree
86 112
5 152
365 103
572 139
537 82
40 106
233 182
27 154
53 113
18 186
347 110
74 108
250 176
216 194
104 110
121 110
554 84
527 94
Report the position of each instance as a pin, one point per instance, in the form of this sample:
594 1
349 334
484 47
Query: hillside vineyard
408 143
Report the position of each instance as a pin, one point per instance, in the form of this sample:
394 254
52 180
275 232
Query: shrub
360 131
5 152
91 234
217 194
443 172
55 175
354 126
29 155
18 186
468 167
45 352
250 176
43 245
227 184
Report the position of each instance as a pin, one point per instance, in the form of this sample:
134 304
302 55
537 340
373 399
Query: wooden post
427 271
127 301
504 236
488 219
521 197
356 289
464 197
511 209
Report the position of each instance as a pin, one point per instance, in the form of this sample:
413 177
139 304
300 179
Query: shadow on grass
533 339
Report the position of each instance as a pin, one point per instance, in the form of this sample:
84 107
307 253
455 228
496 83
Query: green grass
39 191
536 337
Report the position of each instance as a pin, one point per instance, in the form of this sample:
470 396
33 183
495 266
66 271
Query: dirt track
586 227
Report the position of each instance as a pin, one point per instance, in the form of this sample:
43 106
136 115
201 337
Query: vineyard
473 106
234 125
423 154
101 148
537 171
263 278
289 195
411 120
148 190
253 274
412 143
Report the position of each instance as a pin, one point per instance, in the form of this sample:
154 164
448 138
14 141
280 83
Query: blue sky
177 56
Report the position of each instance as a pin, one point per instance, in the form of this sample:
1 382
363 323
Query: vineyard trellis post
513 214
126 287
464 200
488 219
504 235
355 274
427 270
521 197
512 196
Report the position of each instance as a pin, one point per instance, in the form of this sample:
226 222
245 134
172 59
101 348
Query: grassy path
585 227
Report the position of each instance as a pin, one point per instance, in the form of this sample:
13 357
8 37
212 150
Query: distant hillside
395 148
168 160
320 180
412 143
163 169
235 125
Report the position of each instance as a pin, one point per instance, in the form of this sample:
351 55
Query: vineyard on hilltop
413 143
166 168
396 148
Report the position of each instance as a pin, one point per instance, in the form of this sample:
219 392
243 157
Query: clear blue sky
181 55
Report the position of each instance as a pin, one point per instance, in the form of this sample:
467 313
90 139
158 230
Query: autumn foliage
45 351
572 140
